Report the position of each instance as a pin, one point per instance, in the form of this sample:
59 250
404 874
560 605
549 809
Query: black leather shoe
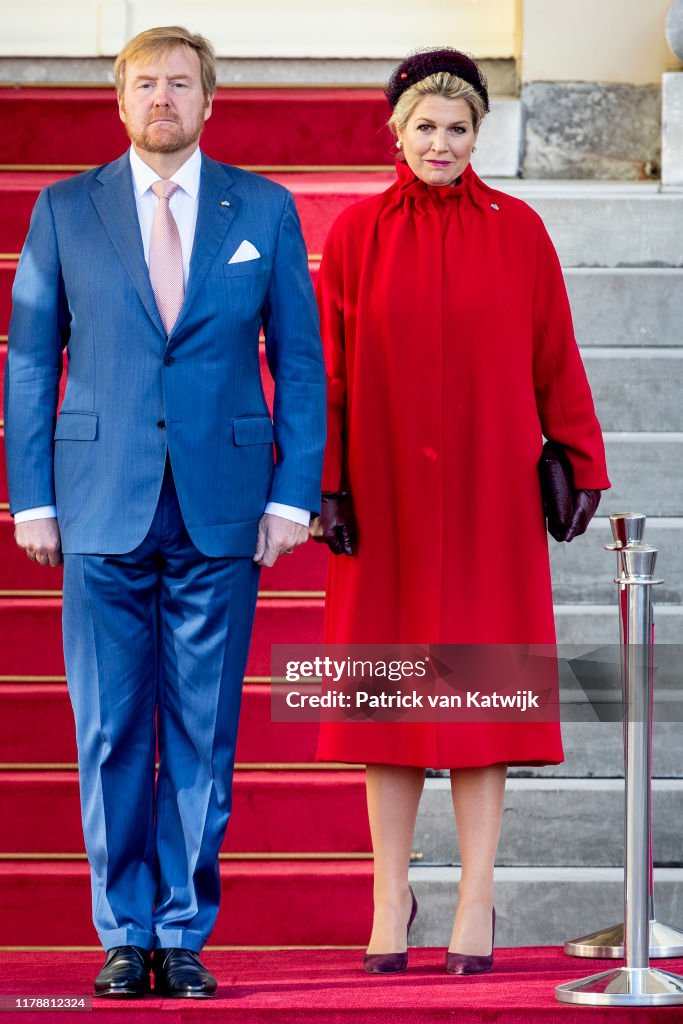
179 973
125 974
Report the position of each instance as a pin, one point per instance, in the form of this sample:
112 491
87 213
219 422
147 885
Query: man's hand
277 536
40 540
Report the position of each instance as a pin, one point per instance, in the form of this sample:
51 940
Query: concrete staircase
560 862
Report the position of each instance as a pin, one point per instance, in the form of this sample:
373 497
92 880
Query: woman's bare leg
478 798
393 793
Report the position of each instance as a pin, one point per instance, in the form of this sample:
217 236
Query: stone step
583 571
541 906
626 307
646 471
500 139
555 822
606 224
501 72
597 624
637 389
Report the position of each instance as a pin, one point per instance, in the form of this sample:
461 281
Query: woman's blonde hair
440 84
158 41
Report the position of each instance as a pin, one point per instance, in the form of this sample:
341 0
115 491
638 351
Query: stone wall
591 130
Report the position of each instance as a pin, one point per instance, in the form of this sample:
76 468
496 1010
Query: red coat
450 352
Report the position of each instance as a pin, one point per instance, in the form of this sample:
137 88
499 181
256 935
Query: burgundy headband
429 62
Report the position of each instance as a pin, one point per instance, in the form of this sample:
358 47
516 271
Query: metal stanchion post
664 941
636 983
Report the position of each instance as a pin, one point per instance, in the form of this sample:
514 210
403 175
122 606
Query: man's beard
149 142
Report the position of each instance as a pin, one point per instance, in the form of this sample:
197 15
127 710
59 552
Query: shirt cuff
291 512
41 512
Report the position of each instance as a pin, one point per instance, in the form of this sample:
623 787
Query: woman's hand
585 506
335 526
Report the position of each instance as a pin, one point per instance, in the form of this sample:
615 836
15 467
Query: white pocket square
246 251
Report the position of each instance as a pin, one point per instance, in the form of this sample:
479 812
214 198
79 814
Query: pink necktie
166 258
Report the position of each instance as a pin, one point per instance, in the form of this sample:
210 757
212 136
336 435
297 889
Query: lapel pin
225 202
495 206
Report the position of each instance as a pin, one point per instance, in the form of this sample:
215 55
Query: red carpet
329 987
3 476
257 127
24 620
18 192
44 810
36 726
319 198
7 271
264 903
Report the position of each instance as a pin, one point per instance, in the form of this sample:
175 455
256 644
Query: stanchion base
608 944
624 986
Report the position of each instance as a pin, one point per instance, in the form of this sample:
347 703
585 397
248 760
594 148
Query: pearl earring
398 144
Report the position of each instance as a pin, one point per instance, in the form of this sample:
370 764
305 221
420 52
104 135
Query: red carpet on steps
45 814
329 987
320 198
278 621
36 727
296 127
263 903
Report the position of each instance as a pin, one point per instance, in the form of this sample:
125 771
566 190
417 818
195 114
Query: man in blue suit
158 486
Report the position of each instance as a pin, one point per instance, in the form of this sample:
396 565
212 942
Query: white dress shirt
183 205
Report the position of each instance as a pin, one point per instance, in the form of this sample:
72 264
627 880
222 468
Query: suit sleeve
39 330
563 395
294 355
330 294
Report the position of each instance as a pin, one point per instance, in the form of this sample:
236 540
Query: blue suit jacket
82 282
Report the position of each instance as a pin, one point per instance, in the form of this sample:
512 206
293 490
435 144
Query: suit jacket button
161 424
169 361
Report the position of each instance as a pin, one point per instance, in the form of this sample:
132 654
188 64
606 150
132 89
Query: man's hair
440 84
158 41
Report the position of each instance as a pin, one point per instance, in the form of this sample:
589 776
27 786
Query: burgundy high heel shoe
391 963
464 963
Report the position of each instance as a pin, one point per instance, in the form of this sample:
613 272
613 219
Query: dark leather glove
335 526
585 506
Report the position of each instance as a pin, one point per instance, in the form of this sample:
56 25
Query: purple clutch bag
557 488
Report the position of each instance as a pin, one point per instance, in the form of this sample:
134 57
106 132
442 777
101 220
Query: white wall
558 40
265 28
595 41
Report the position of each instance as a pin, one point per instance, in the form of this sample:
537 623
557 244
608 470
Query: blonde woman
450 352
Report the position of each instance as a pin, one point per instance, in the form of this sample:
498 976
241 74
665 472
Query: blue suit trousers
156 644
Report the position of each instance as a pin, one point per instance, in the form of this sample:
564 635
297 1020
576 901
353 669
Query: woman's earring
398 144
474 149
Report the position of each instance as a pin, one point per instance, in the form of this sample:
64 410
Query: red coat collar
411 188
